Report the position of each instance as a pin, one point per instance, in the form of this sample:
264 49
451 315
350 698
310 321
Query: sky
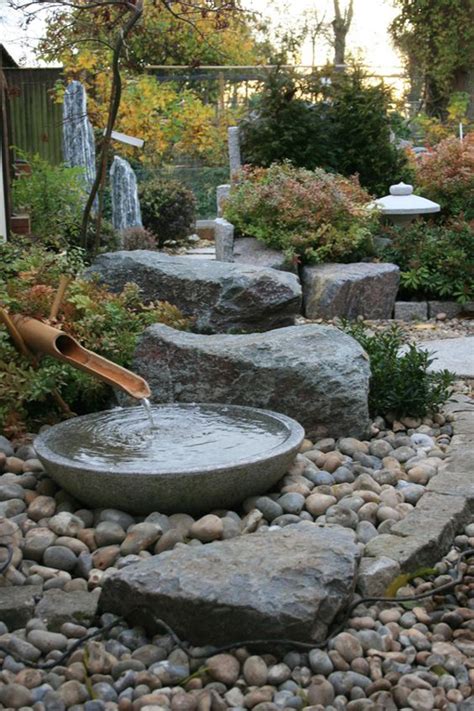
368 36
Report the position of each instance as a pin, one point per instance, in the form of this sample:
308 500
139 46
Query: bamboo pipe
41 338
21 346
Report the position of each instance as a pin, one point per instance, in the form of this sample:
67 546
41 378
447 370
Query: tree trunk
340 25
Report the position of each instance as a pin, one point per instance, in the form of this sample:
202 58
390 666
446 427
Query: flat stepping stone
454 354
290 583
202 250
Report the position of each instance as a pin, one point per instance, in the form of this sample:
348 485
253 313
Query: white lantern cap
401 201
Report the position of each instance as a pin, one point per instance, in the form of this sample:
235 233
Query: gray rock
109 533
122 518
220 296
224 240
11 491
376 574
11 508
385 476
230 598
380 448
17 605
342 515
6 447
365 531
452 309
292 502
411 492
319 478
320 662
316 374
47 641
15 696
343 682
18 646
403 454
270 508
343 475
248 250
350 290
58 607
60 557
411 310
222 194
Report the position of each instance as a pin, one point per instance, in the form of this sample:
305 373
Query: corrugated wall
36 120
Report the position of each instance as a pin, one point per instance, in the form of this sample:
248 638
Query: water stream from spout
149 412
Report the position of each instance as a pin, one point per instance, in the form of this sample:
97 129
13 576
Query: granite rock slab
350 290
316 374
17 604
57 607
218 296
248 250
287 583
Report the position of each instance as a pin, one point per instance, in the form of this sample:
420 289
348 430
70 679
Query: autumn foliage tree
437 38
171 118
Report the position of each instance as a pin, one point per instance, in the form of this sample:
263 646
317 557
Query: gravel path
408 656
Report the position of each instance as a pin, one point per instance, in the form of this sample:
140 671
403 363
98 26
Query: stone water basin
196 458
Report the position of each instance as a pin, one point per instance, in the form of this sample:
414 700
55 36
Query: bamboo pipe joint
44 339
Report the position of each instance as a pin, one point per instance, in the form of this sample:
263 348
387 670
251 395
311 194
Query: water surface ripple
184 437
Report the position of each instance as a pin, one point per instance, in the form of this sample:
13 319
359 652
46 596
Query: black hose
441 589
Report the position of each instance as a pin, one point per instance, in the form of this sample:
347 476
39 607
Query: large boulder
316 374
220 296
350 290
287 583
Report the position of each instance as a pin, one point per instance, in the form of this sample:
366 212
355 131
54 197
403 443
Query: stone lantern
401 206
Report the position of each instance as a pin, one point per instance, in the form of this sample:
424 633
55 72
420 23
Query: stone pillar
224 240
233 142
222 193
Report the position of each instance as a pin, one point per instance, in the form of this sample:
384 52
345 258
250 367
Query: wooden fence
35 119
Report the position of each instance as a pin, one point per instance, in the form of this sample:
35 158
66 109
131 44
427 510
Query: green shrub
53 195
436 259
343 125
103 322
200 179
400 383
446 175
311 216
283 125
138 238
168 209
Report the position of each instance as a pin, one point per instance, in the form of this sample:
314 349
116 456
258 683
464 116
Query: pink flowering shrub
312 216
446 175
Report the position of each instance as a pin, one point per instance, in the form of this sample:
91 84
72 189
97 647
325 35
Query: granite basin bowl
197 457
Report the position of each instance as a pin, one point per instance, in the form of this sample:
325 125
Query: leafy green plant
312 216
432 129
53 195
103 322
400 383
435 259
168 209
336 121
446 175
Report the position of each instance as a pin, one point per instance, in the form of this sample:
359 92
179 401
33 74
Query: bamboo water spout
43 339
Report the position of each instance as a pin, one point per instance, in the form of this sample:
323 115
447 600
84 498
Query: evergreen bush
168 209
337 121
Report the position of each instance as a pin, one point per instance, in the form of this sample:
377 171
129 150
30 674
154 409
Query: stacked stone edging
426 534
